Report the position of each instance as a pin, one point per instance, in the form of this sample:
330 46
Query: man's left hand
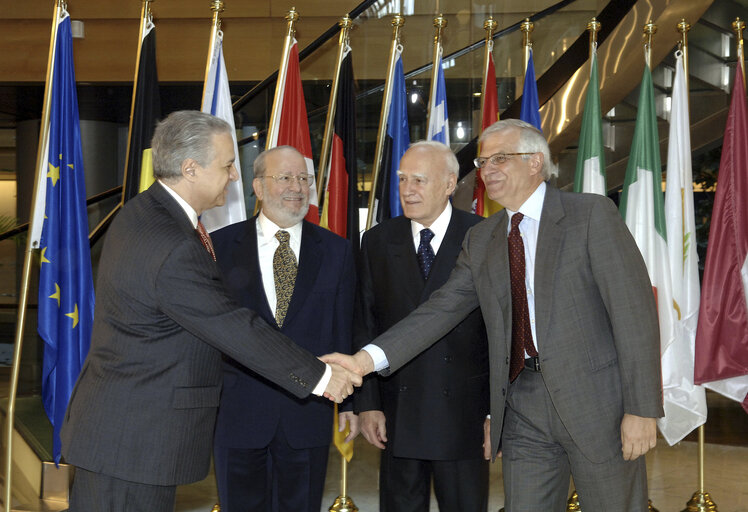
638 435
352 420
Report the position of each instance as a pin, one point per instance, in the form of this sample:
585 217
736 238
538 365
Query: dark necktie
425 252
284 275
205 239
521 331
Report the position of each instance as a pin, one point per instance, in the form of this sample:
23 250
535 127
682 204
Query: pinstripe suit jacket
597 327
144 407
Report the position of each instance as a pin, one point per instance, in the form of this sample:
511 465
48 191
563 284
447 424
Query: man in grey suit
572 329
140 419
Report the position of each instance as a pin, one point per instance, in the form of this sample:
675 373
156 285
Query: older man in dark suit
141 417
572 329
271 447
428 416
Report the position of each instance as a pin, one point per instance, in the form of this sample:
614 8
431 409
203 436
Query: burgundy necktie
521 331
205 239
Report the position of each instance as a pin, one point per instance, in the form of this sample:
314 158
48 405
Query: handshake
347 371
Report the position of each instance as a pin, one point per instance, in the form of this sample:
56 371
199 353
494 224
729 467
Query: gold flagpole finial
738 26
292 17
594 27
490 25
216 6
650 29
527 27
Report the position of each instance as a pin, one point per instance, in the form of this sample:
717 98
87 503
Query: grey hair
184 134
260 167
531 140
449 157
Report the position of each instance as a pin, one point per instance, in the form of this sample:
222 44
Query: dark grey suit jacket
144 407
596 320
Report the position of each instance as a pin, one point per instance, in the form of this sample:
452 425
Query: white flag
217 101
685 403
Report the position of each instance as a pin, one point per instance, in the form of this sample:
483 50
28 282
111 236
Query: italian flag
590 173
643 210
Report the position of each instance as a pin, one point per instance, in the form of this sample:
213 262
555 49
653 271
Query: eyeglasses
304 180
497 159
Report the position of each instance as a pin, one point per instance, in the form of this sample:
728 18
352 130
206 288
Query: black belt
533 363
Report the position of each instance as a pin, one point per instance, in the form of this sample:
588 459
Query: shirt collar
533 206
189 210
268 229
438 227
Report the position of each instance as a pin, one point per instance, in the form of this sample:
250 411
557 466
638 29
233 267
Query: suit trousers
276 478
94 492
459 485
539 455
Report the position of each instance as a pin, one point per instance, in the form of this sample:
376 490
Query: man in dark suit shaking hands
428 416
573 335
141 417
270 446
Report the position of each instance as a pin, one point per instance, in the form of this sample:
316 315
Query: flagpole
738 26
650 29
292 18
145 18
217 7
41 160
439 24
397 22
489 26
527 27
345 25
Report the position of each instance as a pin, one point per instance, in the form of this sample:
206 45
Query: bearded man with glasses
270 448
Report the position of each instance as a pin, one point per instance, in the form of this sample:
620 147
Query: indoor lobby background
105 48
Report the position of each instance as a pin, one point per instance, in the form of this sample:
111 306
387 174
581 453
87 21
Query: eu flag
66 296
530 111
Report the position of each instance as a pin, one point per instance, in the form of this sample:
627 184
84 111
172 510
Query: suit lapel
497 263
245 255
550 236
404 262
310 260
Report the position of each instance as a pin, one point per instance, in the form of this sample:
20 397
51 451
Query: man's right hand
359 363
341 383
373 428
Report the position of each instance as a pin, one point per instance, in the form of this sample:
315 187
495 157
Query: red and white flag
290 122
482 205
722 334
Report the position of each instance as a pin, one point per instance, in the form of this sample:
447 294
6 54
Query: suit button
445 392
503 391
447 359
403 388
507 360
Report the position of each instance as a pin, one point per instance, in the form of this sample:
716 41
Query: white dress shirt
528 230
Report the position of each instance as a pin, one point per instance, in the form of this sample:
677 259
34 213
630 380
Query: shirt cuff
321 386
377 355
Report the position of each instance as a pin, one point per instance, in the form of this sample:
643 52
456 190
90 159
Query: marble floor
672 470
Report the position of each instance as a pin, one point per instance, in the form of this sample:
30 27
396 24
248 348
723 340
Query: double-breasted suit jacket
144 406
436 404
596 322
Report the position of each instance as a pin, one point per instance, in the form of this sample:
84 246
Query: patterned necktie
205 239
521 331
284 275
425 252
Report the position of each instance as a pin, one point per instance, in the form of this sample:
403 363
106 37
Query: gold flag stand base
343 504
573 505
700 502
